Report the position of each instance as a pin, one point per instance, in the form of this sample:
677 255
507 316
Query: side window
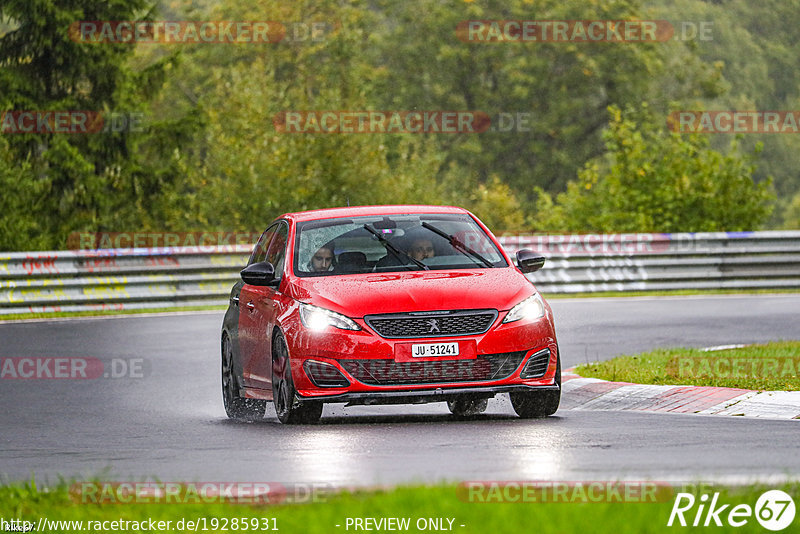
260 250
276 253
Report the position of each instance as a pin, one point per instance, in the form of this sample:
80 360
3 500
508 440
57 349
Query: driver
421 248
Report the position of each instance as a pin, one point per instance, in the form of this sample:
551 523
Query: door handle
251 306
235 301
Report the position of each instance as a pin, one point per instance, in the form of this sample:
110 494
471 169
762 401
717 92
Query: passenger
322 260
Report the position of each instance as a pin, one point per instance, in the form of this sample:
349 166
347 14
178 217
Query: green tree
108 180
791 213
18 223
564 86
755 47
650 180
244 171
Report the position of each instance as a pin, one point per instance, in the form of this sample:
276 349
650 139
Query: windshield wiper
458 244
396 251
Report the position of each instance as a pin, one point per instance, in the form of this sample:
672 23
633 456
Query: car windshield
390 243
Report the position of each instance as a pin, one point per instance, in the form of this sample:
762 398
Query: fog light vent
537 365
325 375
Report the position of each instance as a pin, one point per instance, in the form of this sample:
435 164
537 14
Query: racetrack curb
580 393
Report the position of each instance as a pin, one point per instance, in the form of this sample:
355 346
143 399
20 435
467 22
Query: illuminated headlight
316 318
530 308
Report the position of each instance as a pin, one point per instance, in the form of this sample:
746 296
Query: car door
259 305
248 324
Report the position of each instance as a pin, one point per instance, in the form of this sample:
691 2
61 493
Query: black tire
288 407
235 406
467 406
536 404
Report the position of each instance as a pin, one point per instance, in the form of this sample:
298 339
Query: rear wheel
532 404
235 406
288 407
467 406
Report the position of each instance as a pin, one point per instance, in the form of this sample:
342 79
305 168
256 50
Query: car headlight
316 318
530 308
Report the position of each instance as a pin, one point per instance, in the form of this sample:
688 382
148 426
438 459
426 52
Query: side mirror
528 261
258 274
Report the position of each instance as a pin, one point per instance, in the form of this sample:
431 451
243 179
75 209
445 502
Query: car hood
364 294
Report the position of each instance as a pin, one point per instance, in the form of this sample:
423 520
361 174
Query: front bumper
425 396
361 356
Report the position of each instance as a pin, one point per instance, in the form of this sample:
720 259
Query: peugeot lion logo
434 324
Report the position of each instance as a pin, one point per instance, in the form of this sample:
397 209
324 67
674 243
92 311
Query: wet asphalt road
170 424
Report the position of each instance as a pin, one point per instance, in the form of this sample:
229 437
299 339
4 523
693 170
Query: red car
386 304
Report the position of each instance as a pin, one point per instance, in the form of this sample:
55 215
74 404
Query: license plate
427 350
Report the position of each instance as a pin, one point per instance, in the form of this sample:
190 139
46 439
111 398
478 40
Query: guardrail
658 262
116 279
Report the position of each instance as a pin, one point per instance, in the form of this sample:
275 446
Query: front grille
537 365
485 368
424 325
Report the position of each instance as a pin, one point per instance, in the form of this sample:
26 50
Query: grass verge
574 513
772 367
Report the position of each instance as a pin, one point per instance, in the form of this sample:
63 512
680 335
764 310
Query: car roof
360 211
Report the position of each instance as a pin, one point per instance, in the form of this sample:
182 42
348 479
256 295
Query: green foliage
755 48
566 87
654 181
72 182
494 203
791 213
390 58
210 157
261 172
482 507
18 217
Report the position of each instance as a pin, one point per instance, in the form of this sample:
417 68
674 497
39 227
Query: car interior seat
352 262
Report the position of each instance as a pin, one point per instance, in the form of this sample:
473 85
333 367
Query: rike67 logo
774 510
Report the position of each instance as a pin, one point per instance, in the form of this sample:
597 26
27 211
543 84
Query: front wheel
288 407
235 406
535 404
